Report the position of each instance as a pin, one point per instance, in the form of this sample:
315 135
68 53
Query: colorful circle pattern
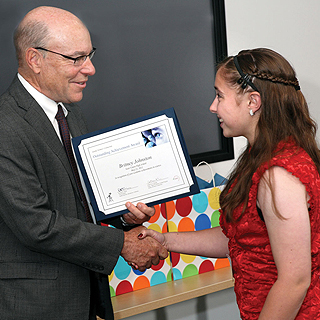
197 212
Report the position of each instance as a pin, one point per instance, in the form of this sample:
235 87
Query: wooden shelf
143 300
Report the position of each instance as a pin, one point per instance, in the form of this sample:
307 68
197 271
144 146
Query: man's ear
34 59
255 101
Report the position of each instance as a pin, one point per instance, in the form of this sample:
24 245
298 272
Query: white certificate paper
145 160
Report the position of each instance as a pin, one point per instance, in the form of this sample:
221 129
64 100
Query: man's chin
76 98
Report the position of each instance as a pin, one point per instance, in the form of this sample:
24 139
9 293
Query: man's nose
88 68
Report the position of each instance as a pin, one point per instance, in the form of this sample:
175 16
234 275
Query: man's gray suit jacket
46 249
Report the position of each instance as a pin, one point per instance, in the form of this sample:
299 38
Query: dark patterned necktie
65 136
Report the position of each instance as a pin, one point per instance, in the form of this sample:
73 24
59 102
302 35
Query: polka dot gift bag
196 212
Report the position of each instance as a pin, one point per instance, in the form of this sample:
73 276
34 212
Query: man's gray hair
30 35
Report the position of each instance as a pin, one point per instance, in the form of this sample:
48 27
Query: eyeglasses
78 61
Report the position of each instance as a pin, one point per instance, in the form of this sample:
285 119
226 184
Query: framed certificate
145 160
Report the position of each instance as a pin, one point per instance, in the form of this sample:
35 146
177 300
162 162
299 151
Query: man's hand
141 254
138 214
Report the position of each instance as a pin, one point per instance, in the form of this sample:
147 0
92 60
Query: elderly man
50 254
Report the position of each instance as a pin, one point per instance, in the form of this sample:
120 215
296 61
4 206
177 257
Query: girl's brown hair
284 113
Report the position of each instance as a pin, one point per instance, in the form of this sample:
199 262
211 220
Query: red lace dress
253 265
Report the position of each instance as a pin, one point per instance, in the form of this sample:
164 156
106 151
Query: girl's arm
207 243
290 242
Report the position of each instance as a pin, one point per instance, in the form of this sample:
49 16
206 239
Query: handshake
145 247
141 252
142 247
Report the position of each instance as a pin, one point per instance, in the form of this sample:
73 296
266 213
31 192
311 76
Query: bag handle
207 164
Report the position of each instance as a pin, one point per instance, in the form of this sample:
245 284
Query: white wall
292 28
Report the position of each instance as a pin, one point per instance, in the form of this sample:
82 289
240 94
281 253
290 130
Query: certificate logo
124 191
109 197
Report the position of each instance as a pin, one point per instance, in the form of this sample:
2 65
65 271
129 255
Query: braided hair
272 78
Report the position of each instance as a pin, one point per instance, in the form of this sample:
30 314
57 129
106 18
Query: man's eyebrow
80 53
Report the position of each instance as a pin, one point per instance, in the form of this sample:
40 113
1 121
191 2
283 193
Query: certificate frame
102 146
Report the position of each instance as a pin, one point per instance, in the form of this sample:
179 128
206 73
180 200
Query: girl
270 208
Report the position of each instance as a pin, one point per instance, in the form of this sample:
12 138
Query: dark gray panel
151 55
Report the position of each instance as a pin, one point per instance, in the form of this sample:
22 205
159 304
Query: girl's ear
255 101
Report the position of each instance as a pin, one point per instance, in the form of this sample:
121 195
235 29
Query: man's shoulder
14 93
7 103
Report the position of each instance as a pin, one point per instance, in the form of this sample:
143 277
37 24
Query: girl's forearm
208 243
284 300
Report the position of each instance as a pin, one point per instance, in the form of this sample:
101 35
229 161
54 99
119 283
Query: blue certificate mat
142 160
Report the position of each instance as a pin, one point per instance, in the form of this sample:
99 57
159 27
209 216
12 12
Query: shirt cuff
125 224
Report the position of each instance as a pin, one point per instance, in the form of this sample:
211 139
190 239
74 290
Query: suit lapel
37 118
73 124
